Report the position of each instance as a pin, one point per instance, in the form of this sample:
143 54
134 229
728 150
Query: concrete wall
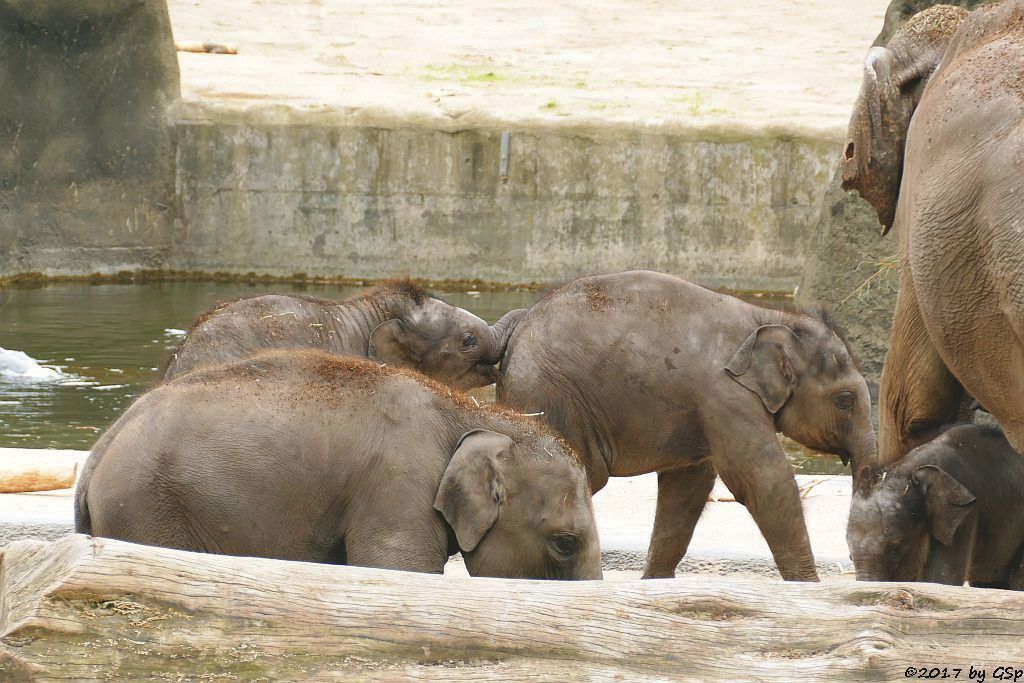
86 153
100 173
370 202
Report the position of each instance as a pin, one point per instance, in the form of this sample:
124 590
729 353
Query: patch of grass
462 73
550 104
883 269
696 104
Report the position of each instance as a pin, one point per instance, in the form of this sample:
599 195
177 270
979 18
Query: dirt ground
732 63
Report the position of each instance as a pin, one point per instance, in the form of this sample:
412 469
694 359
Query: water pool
108 342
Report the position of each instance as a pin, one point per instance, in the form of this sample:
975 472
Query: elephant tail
83 522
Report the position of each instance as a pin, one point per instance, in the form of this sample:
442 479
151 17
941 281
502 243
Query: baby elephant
952 509
397 323
305 455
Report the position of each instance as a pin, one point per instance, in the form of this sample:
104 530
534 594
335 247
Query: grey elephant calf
304 455
397 323
951 510
645 372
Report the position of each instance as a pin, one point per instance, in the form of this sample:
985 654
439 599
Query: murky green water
109 342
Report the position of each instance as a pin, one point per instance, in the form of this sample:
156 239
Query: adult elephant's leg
746 452
682 494
918 393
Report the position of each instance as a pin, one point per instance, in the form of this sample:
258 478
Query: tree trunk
36 472
84 608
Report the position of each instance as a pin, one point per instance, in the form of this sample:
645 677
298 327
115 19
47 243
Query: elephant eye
468 340
844 401
565 545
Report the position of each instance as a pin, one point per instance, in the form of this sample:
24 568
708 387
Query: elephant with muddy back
644 372
304 455
397 323
935 144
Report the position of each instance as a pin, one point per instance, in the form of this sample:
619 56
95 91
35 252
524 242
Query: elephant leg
1015 577
682 494
745 451
402 549
1001 585
919 394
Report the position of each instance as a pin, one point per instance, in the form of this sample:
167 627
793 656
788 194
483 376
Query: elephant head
804 374
895 518
895 77
442 341
520 509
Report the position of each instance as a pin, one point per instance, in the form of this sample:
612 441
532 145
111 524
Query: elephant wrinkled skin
645 372
304 455
947 512
397 323
935 144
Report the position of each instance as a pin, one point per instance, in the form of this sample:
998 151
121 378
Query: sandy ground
726 541
731 63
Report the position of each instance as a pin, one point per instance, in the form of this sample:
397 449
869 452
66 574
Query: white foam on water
173 332
18 365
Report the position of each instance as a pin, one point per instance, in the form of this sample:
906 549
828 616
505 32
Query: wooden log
84 608
36 472
209 48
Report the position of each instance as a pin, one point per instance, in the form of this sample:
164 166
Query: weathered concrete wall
86 155
369 202
99 173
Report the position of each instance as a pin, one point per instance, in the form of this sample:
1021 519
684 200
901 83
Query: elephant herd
306 429
269 436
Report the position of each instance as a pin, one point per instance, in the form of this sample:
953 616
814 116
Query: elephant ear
471 489
762 364
947 502
390 343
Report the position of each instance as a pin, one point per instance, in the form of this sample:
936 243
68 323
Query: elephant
934 145
949 511
397 323
310 456
646 372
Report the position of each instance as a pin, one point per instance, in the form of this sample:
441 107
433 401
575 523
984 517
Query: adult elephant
397 323
935 144
645 372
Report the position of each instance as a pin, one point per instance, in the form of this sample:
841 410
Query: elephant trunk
864 457
501 332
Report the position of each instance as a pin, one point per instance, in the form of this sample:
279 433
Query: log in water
36 471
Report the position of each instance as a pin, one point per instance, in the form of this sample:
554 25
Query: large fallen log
40 471
84 608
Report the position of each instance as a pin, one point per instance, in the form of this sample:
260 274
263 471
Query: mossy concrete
368 201
86 152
